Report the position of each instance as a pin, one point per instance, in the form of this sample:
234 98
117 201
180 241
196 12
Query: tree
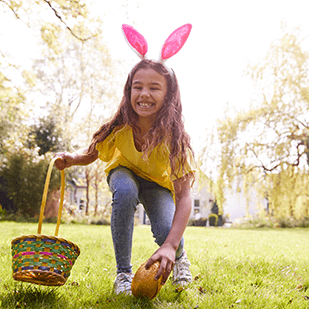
73 76
14 83
77 81
269 142
45 18
22 179
63 13
46 136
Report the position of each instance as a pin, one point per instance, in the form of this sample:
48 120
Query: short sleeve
106 148
189 166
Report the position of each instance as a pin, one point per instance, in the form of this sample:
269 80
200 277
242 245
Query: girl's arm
166 253
79 157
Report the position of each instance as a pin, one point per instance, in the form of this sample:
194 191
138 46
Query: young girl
149 161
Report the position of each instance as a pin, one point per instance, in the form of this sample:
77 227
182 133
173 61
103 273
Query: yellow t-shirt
119 150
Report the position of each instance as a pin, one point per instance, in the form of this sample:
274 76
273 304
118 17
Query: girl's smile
148 92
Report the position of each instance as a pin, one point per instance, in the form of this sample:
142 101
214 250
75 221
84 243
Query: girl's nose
144 93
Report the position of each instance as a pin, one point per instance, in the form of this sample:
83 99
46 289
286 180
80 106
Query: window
81 204
196 203
196 206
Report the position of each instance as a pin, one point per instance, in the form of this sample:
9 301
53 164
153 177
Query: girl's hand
64 160
79 157
166 255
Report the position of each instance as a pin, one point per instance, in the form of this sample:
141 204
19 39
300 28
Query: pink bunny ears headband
171 46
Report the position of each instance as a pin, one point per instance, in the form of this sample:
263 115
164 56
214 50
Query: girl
149 161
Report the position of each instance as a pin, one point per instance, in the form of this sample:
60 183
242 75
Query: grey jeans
128 191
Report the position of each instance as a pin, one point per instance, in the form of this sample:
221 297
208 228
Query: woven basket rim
48 237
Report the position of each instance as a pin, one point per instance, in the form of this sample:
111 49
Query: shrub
199 222
213 219
24 178
272 222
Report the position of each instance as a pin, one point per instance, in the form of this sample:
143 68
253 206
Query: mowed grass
232 268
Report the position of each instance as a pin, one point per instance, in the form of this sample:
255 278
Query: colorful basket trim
44 268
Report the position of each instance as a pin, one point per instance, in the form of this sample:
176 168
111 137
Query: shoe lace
125 281
181 269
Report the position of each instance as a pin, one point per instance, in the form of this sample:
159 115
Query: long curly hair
168 128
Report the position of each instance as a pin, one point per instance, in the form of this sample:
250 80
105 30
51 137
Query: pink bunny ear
175 41
136 40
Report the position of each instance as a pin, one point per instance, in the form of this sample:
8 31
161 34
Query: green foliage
46 136
271 222
199 222
24 178
2 212
66 13
15 82
76 81
12 109
213 219
49 34
288 192
55 23
231 268
69 83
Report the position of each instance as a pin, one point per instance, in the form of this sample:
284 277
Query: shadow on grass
126 302
163 300
31 296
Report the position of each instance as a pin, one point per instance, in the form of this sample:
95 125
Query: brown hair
168 128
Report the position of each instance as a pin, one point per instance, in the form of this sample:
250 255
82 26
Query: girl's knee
123 187
160 239
161 234
122 179
125 195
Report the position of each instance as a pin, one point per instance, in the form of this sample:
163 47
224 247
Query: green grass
232 268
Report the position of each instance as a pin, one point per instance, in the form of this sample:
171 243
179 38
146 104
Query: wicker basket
41 259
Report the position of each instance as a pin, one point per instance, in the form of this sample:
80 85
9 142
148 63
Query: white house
237 205
201 204
77 192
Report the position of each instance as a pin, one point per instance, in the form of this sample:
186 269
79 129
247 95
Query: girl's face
148 92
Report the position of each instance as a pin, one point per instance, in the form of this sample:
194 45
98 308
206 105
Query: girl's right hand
64 160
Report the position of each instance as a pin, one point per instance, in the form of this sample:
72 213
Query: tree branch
270 169
297 120
60 18
16 15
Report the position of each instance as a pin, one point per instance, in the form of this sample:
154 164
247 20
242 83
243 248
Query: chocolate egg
143 283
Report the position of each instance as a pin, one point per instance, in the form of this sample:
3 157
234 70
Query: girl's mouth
145 104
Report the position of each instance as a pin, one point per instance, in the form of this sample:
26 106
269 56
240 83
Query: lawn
232 268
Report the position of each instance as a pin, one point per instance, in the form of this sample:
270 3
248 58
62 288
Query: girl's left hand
166 255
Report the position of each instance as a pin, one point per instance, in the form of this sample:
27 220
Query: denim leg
124 189
160 208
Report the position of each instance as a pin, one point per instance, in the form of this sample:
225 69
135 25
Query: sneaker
122 283
181 272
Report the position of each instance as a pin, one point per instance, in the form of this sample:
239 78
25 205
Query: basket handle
45 196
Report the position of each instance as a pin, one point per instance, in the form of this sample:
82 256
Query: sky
226 36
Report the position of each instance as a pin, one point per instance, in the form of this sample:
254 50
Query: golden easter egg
143 283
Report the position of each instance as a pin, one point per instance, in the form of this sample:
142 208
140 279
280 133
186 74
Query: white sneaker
181 272
122 283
